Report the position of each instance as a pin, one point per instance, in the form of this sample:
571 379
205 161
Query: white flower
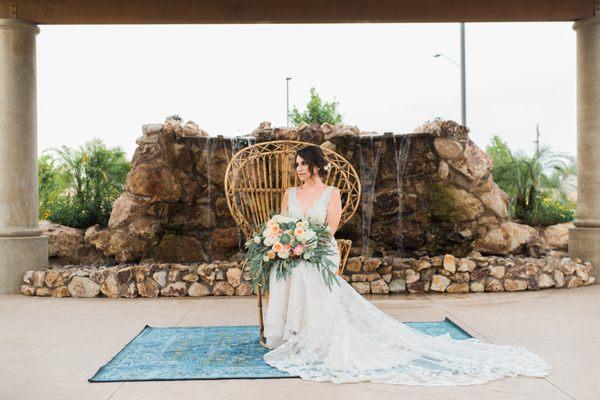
327 167
302 224
269 241
257 239
306 256
309 234
283 254
266 258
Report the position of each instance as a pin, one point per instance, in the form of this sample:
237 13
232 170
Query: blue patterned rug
210 352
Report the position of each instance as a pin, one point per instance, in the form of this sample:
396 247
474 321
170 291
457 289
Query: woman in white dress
337 335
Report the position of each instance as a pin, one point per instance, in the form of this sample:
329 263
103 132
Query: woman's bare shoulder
288 190
334 189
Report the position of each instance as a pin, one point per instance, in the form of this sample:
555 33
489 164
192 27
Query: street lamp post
463 75
287 101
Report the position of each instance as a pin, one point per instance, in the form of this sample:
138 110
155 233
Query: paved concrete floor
50 347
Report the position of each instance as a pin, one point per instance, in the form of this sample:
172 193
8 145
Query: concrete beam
291 11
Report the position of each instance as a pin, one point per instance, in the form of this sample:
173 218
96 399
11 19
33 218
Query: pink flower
298 250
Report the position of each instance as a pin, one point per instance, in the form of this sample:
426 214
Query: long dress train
337 335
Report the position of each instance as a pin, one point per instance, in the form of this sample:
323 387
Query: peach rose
277 247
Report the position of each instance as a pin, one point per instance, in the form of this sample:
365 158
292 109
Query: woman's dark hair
314 157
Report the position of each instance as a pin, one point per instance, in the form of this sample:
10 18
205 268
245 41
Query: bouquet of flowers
282 242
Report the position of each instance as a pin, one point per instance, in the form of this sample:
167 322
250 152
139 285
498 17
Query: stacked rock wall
366 275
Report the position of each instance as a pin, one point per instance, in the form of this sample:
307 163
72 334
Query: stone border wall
366 275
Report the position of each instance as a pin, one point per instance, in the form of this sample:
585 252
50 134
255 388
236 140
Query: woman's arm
284 201
334 210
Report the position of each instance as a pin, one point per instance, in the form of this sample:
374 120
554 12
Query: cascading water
401 149
370 154
239 142
209 156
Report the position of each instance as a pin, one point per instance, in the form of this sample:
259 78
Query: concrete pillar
584 239
21 245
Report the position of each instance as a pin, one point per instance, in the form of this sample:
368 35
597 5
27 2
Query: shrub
550 211
91 177
537 197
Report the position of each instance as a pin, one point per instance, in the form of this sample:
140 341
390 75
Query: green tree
536 196
93 176
562 181
316 111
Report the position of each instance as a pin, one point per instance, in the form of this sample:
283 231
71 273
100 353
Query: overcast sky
106 81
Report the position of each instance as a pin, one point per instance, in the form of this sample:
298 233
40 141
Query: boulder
286 134
458 287
63 241
98 237
557 236
379 286
397 286
223 288
83 287
234 276
362 287
198 290
512 285
179 248
245 289
151 129
439 283
148 288
449 263
497 201
153 182
451 204
509 238
176 289
447 148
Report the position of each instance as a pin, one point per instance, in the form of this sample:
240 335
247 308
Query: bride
337 335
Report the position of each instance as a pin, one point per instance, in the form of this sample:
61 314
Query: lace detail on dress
337 335
318 210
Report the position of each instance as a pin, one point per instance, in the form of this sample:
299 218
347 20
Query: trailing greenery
78 186
317 112
537 185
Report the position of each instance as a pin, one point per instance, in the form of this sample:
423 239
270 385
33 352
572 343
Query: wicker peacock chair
258 175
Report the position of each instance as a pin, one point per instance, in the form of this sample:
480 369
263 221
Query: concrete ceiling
293 11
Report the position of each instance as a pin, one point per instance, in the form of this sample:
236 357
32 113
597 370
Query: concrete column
21 245
584 239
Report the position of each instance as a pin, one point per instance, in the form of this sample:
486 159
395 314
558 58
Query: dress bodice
317 212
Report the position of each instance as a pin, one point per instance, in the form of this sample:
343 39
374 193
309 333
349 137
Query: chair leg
344 246
261 324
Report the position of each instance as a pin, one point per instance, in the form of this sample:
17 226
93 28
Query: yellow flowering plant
282 242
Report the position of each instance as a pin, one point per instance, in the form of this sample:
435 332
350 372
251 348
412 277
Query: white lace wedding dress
337 335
